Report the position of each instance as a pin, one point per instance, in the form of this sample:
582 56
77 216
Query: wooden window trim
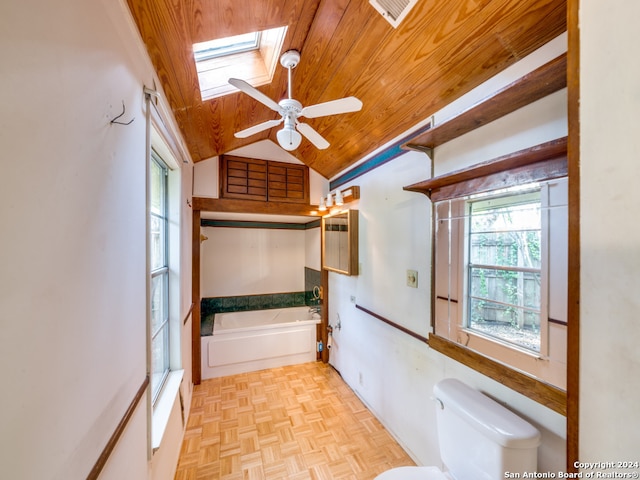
548 395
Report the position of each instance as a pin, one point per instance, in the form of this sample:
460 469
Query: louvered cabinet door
244 178
252 179
288 183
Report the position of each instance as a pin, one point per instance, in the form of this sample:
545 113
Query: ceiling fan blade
257 128
255 93
334 107
313 136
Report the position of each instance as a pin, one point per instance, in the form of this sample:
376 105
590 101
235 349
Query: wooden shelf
543 81
550 159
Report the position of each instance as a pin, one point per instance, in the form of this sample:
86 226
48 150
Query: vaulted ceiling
443 49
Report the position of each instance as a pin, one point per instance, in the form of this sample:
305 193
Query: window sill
164 405
541 392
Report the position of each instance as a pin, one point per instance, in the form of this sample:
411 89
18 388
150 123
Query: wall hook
123 112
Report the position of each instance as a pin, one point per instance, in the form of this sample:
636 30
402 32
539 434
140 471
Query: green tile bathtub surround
209 306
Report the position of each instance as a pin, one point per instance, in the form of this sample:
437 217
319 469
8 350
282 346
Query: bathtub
258 339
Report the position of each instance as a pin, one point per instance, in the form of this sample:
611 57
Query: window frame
255 65
541 162
548 366
162 271
540 191
206 51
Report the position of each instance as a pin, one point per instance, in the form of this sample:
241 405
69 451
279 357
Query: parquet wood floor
298 422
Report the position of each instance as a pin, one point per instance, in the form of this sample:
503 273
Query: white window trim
544 282
158 415
163 407
165 271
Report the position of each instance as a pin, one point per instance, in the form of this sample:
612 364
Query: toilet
479 439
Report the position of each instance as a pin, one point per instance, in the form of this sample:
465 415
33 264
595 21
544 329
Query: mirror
340 242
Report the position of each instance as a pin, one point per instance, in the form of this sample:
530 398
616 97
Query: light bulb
289 138
329 201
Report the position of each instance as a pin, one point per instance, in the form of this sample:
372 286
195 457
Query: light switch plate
412 278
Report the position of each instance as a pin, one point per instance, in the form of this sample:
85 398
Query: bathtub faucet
314 310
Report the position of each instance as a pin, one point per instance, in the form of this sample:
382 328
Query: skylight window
253 57
226 46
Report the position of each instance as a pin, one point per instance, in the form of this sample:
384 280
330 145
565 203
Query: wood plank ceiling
443 49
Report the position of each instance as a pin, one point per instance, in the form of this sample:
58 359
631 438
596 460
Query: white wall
72 210
312 248
391 371
610 233
252 261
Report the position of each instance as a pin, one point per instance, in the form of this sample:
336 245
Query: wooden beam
196 367
253 206
543 81
573 294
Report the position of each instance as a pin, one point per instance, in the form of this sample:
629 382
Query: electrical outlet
412 278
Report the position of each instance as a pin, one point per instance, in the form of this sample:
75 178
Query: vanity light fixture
338 198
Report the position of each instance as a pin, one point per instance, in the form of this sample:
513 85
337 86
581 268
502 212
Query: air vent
393 11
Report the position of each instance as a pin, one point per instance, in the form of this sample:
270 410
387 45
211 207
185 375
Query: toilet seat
413 473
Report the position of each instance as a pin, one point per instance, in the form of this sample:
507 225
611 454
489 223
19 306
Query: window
165 304
504 287
499 255
253 57
159 275
226 46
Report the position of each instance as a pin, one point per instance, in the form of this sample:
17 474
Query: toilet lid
413 473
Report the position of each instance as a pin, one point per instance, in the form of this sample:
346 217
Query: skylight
226 46
253 57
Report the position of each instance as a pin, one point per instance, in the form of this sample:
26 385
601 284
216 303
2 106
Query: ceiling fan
291 109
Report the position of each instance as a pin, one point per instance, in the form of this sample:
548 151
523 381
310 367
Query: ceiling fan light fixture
289 138
291 110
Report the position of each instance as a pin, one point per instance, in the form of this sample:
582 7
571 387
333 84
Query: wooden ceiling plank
379 79
442 50
425 87
172 62
236 17
331 41
543 81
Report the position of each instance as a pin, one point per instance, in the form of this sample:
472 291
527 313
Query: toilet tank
479 438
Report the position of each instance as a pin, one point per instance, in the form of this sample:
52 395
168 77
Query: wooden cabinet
253 179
